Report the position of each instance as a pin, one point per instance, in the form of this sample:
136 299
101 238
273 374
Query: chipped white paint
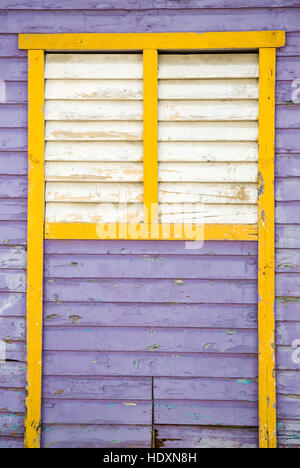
207 66
94 66
208 89
207 148
86 90
95 151
94 171
94 131
93 213
91 192
208 124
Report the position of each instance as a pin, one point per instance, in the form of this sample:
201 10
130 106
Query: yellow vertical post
266 273
35 232
150 60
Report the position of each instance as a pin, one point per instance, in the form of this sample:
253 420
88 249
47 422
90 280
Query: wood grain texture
155 16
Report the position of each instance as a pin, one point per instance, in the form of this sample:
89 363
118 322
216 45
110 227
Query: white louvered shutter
208 132
94 130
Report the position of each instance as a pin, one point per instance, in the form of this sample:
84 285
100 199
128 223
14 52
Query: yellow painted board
159 231
266 271
35 246
163 41
150 135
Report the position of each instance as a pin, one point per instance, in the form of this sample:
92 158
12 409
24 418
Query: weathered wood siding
224 267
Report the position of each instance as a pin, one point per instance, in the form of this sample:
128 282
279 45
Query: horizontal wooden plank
13 233
167 151
137 290
16 91
288 408
13 209
149 364
167 89
103 110
172 437
13 115
203 110
96 412
149 266
287 166
94 66
285 359
287 189
94 213
168 110
287 333
12 375
168 192
208 89
208 214
288 115
201 389
288 383
207 131
13 139
287 309
12 329
96 436
287 212
288 260
229 316
288 236
146 247
13 68
167 131
289 431
12 186
118 89
96 151
102 388
207 172
87 192
12 304
15 351
159 340
206 413
248 19
134 213
177 192
288 285
91 131
208 66
95 171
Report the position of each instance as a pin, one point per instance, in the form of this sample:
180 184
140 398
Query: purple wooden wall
143 336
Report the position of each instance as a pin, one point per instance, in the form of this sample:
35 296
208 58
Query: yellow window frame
149 43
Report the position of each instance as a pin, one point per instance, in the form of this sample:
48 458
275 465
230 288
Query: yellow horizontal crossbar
155 232
163 41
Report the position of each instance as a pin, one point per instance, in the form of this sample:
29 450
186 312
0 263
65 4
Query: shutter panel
94 130
208 132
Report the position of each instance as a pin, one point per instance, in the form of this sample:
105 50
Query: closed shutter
94 131
207 138
208 131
